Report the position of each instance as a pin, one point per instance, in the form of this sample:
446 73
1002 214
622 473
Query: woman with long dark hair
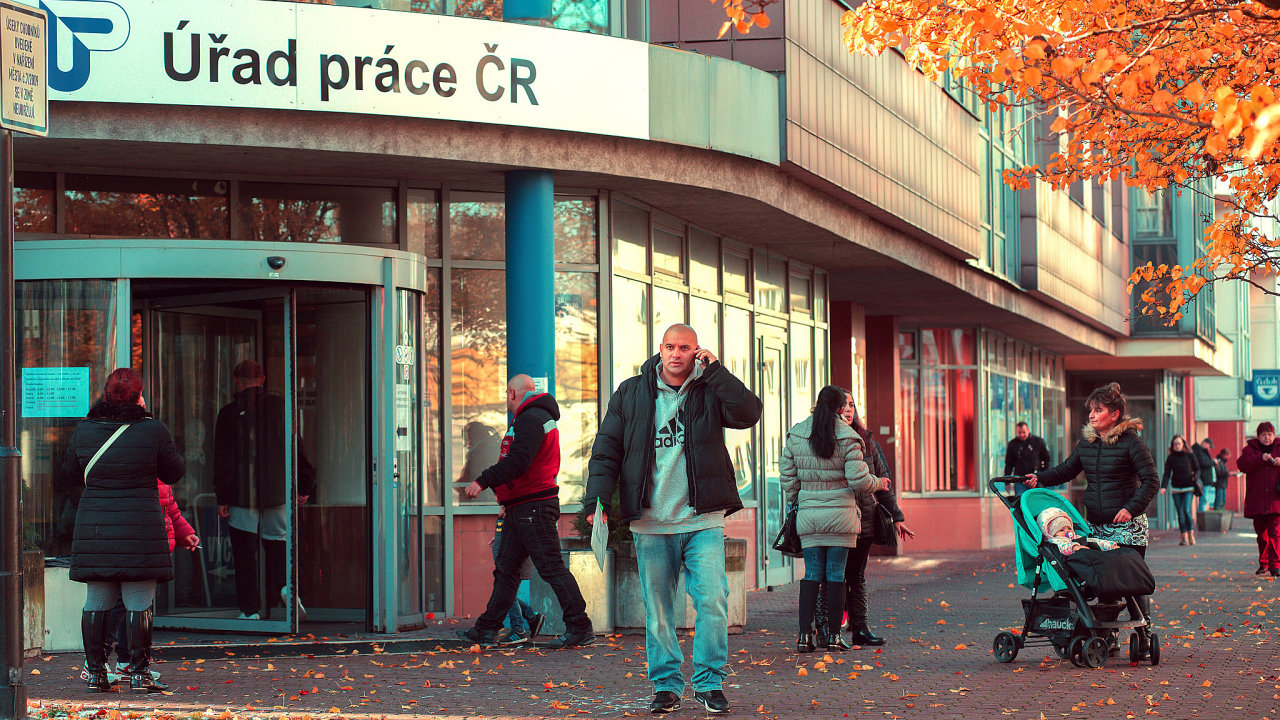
1180 471
822 468
121 547
1121 475
857 602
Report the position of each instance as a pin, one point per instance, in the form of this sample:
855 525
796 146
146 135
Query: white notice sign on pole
24 89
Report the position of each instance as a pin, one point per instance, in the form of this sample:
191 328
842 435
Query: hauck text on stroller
1065 574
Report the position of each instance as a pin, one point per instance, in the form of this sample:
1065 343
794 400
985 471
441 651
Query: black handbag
882 523
788 540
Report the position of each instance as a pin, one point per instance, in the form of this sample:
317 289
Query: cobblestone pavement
1221 658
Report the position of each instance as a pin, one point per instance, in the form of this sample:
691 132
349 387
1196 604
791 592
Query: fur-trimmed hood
1126 423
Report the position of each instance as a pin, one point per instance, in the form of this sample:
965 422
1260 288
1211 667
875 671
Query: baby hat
1054 519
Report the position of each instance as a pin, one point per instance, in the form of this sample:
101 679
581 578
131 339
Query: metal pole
13 695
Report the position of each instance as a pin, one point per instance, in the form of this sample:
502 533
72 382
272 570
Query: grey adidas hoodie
669 510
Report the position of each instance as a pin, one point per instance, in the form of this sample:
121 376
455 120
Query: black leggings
856 601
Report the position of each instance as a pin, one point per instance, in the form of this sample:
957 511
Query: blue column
531 275
527 12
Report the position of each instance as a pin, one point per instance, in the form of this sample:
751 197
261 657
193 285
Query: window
146 207
801 294
582 15
33 209
630 238
1152 214
477 226
280 212
736 356
576 230
668 309
771 276
668 252
737 274
1158 254
478 346
577 378
631 346
948 428
704 261
423 215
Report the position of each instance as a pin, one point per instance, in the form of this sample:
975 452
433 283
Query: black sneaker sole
710 709
664 711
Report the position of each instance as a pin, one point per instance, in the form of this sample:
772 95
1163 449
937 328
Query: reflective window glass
433 394
801 293
486 9
668 252
630 329
146 207
33 209
477 226
908 450
281 212
583 15
423 217
736 357
947 428
577 378
771 277
803 394
704 261
737 274
630 238
478 346
576 230
668 309
704 318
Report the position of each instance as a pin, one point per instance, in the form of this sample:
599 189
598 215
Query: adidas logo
669 435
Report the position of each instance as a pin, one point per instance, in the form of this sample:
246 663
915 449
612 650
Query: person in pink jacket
174 523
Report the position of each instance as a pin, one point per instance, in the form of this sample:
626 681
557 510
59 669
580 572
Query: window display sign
24 97
302 56
55 392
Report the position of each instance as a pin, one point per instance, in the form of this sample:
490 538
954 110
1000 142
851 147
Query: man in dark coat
250 481
524 481
1260 463
1025 454
661 443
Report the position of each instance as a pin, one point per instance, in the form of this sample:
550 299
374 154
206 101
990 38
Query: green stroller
1064 617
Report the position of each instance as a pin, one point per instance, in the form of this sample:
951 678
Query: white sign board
24 96
55 392
301 56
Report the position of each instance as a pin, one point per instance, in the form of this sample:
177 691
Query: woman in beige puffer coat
822 468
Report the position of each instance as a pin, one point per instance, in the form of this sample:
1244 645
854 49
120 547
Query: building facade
345 195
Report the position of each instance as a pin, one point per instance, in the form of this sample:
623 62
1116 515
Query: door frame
780 571
202 304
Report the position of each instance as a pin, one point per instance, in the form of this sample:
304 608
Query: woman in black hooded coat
120 547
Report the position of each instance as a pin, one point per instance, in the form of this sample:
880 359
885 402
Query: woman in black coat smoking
120 547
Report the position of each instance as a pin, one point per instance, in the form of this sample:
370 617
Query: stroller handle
1006 499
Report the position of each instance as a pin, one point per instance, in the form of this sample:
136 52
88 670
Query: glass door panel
221 380
778 568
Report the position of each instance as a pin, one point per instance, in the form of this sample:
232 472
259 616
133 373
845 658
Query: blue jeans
1182 503
660 559
825 564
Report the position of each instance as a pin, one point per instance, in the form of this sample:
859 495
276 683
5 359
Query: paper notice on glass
599 535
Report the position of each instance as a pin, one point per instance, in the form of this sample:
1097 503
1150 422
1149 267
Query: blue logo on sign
76 29
1266 387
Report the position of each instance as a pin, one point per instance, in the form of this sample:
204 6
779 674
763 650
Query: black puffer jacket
867 500
120 532
1118 468
249 448
623 449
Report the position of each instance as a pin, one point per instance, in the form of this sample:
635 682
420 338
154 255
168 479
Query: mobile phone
703 359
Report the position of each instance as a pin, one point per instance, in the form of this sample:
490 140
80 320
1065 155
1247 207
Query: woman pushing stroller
1121 475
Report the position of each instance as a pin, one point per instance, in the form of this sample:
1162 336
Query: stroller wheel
1135 649
1005 647
1094 653
1154 650
1075 649
1063 650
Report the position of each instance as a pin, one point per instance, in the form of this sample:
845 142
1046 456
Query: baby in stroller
1079 585
1059 530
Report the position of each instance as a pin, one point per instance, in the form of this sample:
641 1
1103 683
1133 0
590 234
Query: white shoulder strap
93 460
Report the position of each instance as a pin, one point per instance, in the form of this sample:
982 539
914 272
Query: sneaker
1275 572
664 702
250 616
113 673
302 612
511 638
476 637
713 701
535 626
1262 570
572 640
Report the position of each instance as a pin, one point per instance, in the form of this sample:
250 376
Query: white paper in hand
599 535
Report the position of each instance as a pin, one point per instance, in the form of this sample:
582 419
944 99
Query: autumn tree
1169 95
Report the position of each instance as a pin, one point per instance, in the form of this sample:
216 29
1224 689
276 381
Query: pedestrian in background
1261 467
857 602
523 624
1207 489
1221 478
120 547
661 444
524 481
823 469
1025 453
1181 471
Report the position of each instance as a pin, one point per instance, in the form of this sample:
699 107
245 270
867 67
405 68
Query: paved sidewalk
1221 658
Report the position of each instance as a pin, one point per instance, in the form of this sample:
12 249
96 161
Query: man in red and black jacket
524 480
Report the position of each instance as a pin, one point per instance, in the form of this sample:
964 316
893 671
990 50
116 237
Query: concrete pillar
531 275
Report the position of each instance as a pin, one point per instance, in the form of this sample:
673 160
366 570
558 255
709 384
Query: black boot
863 636
93 631
835 641
808 608
139 629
